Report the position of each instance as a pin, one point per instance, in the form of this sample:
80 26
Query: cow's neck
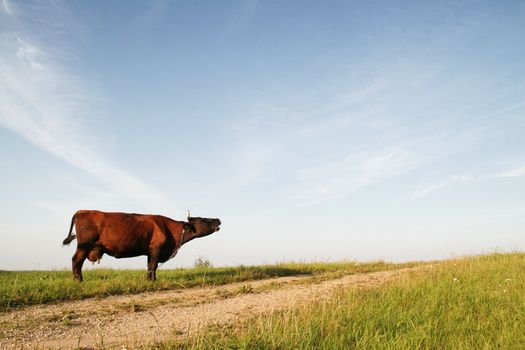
188 235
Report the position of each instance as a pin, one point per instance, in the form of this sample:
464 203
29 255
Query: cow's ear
189 227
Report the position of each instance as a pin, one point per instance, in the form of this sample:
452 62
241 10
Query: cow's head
200 227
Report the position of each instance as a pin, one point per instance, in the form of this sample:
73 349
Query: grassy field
21 288
470 303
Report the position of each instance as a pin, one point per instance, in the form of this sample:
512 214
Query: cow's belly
125 246
126 254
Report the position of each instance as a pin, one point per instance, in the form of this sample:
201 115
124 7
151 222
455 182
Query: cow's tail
70 237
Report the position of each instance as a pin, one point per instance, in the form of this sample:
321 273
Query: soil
131 320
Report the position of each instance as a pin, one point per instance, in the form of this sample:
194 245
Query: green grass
470 303
21 288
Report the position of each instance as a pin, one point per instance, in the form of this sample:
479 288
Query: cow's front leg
153 262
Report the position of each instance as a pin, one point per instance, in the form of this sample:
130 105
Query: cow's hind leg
78 260
153 263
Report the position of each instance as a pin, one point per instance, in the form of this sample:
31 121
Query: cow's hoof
78 278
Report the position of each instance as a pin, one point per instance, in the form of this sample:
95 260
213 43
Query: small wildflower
504 291
455 279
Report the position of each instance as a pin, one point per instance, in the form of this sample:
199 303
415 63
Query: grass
469 303
22 288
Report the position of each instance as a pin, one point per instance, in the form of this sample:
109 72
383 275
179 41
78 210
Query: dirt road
125 321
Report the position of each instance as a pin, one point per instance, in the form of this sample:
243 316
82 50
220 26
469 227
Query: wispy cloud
355 171
424 191
355 137
43 102
6 7
506 109
516 172
363 121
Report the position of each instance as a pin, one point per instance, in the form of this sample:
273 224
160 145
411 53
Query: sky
316 131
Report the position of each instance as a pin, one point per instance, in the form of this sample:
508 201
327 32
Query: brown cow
125 235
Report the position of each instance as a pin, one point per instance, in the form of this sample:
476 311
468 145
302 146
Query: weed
245 289
134 306
202 263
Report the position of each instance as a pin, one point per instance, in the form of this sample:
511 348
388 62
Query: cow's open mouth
216 225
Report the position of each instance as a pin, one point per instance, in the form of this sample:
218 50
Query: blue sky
314 130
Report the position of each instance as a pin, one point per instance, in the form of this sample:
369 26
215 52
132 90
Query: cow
124 235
